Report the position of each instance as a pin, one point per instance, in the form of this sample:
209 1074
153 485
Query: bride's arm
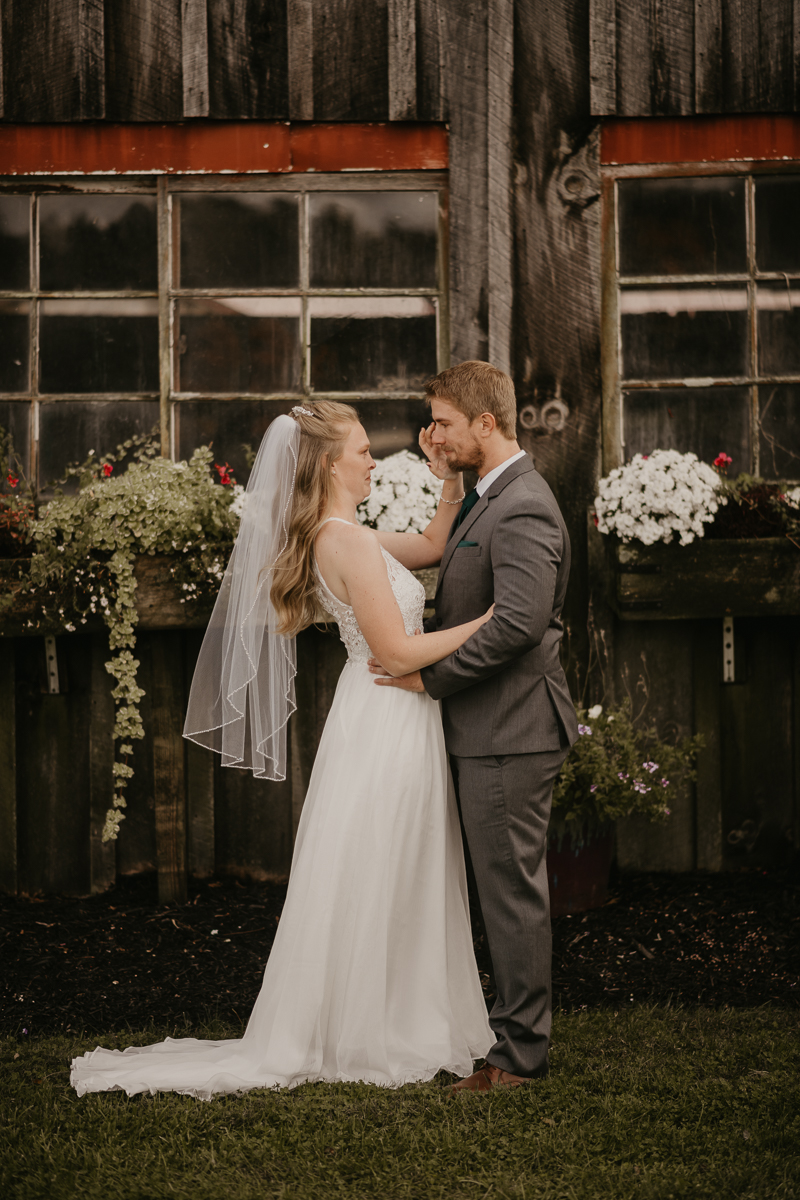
362 570
417 550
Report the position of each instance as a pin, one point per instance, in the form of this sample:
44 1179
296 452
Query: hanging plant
85 545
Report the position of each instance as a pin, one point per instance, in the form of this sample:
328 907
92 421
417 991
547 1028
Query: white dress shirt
490 476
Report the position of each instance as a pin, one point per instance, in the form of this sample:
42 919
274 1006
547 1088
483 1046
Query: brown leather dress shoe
486 1078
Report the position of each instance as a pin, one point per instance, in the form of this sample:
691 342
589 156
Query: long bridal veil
242 693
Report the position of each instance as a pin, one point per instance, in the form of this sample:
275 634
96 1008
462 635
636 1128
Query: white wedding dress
372 974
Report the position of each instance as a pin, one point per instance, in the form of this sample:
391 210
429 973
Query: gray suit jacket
504 691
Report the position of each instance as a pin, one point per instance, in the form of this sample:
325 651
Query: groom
507 713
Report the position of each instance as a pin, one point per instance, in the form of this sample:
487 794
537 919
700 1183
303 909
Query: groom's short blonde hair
476 387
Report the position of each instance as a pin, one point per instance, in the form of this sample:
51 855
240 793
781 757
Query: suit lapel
520 467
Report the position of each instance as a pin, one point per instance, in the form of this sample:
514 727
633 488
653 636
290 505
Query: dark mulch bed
121 960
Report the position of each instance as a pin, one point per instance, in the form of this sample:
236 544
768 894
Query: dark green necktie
468 503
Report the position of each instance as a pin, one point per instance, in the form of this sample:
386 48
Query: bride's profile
372 975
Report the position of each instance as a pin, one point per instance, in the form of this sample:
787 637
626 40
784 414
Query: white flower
654 497
238 500
792 498
404 495
594 712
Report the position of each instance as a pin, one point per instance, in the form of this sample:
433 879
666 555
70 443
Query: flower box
158 601
712 577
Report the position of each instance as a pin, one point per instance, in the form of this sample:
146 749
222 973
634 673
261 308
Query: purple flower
638 786
650 766
668 811
622 775
585 729
24 1031
593 788
665 783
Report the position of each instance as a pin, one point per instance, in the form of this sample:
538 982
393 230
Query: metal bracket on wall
52 665
728 660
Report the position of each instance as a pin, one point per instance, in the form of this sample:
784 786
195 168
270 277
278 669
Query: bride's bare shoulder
344 537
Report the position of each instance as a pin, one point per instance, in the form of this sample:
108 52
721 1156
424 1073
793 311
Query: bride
372 975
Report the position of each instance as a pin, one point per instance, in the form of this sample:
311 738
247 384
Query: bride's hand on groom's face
437 459
408 683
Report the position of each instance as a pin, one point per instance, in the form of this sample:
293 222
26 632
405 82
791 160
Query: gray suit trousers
504 802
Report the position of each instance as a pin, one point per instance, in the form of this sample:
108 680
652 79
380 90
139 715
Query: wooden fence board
655 58
300 56
248 59
143 60
8 767
709 77
194 55
603 56
102 855
431 98
53 60
254 835
169 775
707 682
556 351
199 783
663 657
402 53
351 58
500 73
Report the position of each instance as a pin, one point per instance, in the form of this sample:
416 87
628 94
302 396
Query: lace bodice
408 592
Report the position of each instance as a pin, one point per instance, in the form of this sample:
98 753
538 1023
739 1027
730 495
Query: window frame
613 283
164 188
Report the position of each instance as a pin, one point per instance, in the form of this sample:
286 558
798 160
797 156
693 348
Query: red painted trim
214 147
698 139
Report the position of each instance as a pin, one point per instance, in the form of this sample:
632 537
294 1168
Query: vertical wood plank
199 783
707 674
603 56
248 59
402 60
709 82
351 56
194 57
54 67
740 49
168 766
8 767
2 72
164 231
796 735
102 855
557 268
655 58
500 56
143 60
431 102
301 59
796 54
776 56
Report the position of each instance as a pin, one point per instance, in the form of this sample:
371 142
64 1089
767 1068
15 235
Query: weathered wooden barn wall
662 58
522 86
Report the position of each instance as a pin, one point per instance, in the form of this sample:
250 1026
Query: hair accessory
298 408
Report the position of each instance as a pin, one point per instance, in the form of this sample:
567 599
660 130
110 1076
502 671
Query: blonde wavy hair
324 429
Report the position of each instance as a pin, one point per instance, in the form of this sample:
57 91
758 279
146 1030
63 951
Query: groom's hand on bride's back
409 683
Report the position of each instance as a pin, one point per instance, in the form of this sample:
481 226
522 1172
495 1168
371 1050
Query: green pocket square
460 544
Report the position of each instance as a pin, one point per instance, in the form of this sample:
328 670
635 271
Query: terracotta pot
578 872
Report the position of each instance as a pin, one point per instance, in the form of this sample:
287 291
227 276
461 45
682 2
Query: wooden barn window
205 306
701 298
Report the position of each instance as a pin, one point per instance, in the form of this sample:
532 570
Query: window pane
779 328
247 240
69 430
101 243
15 342
373 239
779 430
678 332
229 426
372 343
702 420
777 227
682 226
15 416
239 344
14 242
393 425
99 346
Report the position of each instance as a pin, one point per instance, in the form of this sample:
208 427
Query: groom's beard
471 458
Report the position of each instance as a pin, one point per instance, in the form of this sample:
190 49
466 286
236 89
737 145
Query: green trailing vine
85 543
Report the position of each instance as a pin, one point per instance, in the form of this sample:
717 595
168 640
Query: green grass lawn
648 1103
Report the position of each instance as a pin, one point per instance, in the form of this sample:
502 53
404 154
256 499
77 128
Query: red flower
107 469
595 519
12 480
722 461
224 477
